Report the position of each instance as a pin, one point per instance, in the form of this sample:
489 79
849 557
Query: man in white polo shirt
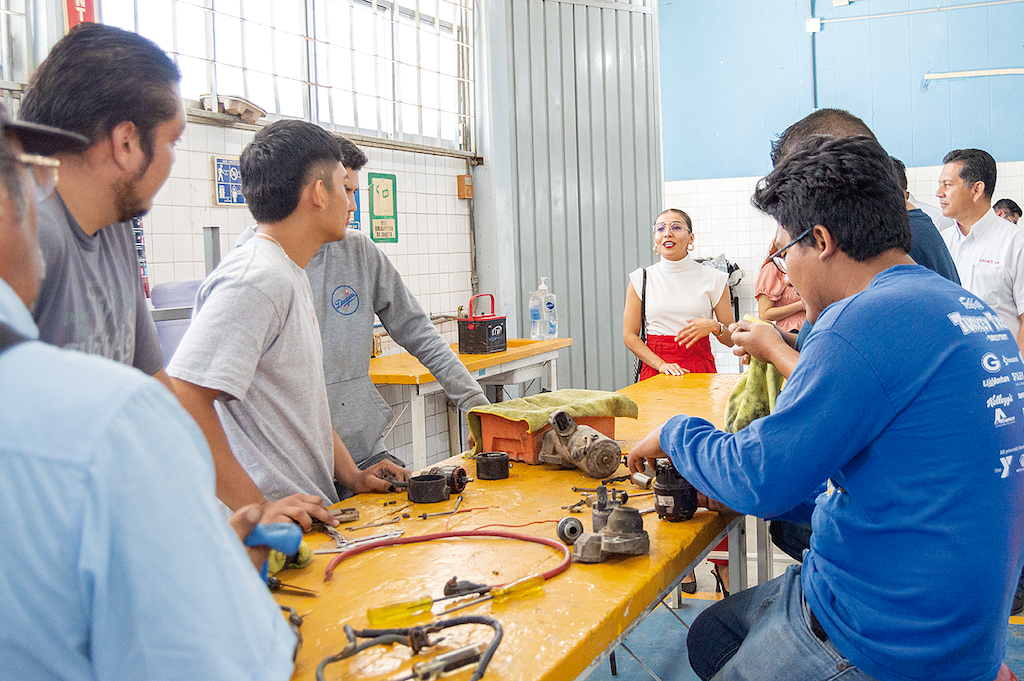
988 251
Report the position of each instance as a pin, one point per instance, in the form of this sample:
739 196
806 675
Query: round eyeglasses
663 228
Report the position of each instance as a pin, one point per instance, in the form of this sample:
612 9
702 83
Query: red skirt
696 358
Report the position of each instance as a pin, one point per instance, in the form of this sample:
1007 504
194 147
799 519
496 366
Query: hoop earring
655 249
689 248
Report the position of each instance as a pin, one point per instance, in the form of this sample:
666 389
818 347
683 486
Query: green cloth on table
754 395
536 409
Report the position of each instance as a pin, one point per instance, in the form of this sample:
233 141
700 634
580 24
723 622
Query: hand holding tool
283 537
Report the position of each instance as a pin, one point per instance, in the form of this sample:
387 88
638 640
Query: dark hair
11 178
352 157
282 160
1007 206
97 77
845 184
976 165
834 122
900 171
682 214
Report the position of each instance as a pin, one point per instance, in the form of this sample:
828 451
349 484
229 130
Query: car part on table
492 465
674 497
642 480
578 506
569 529
456 475
428 489
294 621
458 501
417 638
622 534
583 447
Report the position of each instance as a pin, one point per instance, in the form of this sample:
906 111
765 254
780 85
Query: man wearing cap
92 297
117 563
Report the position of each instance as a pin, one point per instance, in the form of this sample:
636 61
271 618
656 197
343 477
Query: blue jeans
765 633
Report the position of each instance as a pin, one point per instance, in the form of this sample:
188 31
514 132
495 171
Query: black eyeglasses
779 260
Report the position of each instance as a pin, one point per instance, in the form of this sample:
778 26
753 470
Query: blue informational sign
227 176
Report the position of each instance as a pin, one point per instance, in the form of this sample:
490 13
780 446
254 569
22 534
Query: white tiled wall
725 222
432 253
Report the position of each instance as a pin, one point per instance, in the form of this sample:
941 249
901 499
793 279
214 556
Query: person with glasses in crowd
777 300
684 304
101 455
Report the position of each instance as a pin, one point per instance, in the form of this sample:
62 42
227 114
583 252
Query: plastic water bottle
537 328
550 312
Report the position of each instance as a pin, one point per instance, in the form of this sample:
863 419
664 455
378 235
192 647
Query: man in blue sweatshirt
907 399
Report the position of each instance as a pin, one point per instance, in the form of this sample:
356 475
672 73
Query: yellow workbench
555 636
524 360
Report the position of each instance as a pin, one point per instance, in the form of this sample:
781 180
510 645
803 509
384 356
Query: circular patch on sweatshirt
345 300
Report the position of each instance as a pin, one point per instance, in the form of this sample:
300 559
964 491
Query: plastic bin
503 435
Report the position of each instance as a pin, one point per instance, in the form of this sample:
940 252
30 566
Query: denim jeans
765 633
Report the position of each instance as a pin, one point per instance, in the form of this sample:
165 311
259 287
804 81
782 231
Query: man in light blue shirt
117 563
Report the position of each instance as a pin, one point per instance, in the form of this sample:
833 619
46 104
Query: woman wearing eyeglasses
678 300
684 305
777 300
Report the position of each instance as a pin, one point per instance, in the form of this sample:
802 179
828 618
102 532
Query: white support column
552 375
738 557
765 560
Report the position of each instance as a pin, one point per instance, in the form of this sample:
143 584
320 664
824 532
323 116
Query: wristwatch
721 329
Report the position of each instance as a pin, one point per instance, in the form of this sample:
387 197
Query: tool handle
391 612
448 663
482 316
283 537
520 587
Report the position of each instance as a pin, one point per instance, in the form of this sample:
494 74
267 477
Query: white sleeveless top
676 291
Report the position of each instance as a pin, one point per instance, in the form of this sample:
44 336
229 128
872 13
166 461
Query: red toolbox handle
483 316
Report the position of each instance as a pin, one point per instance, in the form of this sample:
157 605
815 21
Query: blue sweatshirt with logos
908 399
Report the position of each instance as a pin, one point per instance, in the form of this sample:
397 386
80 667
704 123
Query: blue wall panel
735 74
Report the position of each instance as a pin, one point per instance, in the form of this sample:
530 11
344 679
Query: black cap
42 139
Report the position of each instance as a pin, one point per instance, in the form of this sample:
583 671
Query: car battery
481 334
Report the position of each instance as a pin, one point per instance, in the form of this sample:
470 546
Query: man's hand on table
373 478
647 449
301 509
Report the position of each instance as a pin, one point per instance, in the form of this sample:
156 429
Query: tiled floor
660 641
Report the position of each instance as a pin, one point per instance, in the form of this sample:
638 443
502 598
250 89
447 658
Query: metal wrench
458 501
346 544
376 524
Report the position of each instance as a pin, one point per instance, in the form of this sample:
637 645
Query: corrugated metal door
587 146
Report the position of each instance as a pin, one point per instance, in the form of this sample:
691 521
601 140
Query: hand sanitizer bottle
537 326
549 311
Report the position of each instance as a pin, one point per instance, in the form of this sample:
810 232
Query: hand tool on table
276 584
446 664
391 521
283 537
520 587
422 605
458 501
343 544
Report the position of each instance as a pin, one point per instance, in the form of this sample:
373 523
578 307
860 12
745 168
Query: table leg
552 375
418 414
738 557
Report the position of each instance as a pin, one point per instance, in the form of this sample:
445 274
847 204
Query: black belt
816 626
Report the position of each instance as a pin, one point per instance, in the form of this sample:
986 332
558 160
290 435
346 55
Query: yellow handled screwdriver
421 606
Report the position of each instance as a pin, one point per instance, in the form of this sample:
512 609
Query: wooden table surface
552 636
404 369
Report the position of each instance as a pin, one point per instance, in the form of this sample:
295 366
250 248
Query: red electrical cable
558 569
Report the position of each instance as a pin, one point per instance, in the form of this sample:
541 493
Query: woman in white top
680 298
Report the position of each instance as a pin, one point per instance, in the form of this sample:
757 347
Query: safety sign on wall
227 179
383 208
